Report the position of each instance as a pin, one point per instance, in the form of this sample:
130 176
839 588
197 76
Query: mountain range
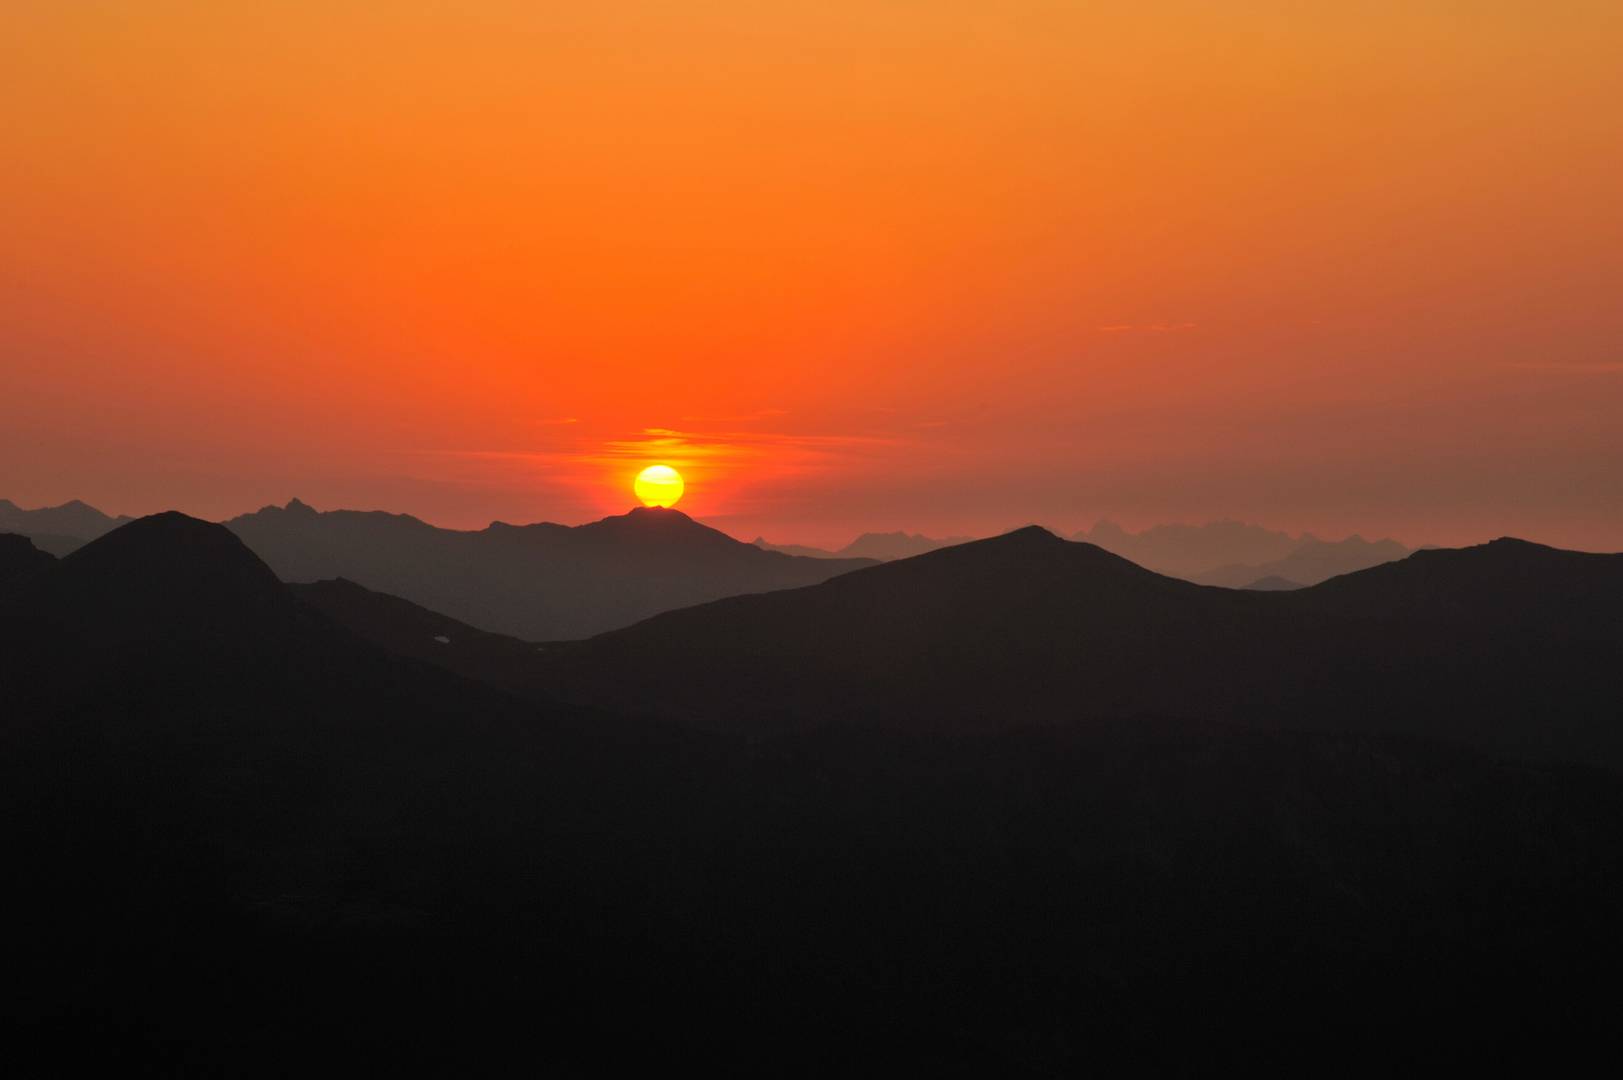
935 824
539 582
1509 646
533 581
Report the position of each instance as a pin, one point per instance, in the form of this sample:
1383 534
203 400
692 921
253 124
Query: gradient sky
852 264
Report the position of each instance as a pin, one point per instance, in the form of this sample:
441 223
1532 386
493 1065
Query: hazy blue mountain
1187 550
537 582
1310 562
57 529
1234 554
1273 584
881 547
800 550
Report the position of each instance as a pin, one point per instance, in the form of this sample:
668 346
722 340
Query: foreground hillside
242 838
1509 646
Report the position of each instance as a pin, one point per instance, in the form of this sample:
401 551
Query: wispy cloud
1569 367
596 465
1145 328
743 418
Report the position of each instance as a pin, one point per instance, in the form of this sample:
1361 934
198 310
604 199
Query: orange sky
851 264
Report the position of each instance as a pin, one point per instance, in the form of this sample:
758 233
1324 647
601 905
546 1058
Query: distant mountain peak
299 506
1516 543
542 581
1029 534
59 525
1503 547
641 519
655 513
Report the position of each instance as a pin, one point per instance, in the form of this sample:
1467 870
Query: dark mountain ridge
19 558
1509 646
241 839
405 629
163 574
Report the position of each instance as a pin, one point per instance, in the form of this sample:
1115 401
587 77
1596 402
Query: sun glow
659 485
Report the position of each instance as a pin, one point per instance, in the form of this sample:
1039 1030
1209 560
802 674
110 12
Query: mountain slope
405 629
158 577
19 558
997 631
537 582
1510 647
237 833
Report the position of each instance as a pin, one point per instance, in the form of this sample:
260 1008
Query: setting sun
659 485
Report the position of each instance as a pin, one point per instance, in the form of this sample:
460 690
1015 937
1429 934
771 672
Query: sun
659 485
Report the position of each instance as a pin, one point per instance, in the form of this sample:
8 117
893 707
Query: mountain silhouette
238 831
19 558
1509 646
1508 581
157 577
57 529
537 582
880 547
983 630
